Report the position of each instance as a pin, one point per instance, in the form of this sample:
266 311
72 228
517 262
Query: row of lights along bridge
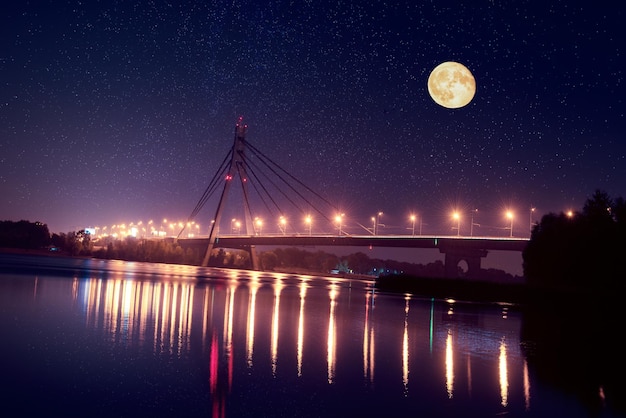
376 227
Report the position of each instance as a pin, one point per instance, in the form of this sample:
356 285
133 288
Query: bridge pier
471 256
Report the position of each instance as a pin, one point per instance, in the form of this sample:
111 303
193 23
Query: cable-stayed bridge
262 182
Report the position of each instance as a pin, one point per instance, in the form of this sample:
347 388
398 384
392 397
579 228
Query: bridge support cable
244 181
259 178
282 192
213 185
260 172
234 168
262 191
292 183
211 188
272 166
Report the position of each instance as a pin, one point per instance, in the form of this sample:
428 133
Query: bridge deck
398 241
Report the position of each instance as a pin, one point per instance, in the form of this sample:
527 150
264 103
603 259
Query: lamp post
308 221
373 225
282 224
532 209
457 217
259 225
472 224
509 215
338 219
412 225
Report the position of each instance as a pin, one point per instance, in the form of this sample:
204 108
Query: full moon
451 85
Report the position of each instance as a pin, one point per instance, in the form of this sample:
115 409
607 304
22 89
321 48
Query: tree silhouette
580 252
24 235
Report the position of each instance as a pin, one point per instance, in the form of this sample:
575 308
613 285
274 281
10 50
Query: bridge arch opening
462 268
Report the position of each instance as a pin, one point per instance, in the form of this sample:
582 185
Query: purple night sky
117 112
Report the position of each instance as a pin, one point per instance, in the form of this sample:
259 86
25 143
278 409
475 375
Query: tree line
580 251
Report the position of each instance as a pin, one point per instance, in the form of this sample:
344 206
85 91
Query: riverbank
514 291
472 290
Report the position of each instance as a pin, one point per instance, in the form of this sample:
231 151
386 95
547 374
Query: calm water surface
94 338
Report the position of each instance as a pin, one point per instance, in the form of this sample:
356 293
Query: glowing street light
309 222
377 223
532 209
189 230
457 217
338 219
259 224
509 215
412 218
282 225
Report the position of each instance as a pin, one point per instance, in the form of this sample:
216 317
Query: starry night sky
116 112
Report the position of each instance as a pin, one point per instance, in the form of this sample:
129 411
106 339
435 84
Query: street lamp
532 209
283 225
259 224
308 221
472 224
338 219
457 217
373 225
377 222
509 215
412 225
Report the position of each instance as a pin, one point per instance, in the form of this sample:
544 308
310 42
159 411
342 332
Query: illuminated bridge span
456 249
258 173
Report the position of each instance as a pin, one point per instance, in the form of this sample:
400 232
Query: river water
86 337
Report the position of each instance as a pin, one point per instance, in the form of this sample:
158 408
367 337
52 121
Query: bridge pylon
236 168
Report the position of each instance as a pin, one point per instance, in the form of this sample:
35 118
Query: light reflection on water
272 344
